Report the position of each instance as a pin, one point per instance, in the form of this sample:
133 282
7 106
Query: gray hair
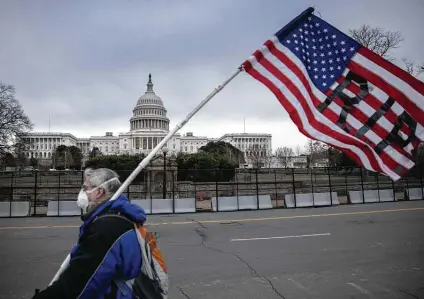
97 177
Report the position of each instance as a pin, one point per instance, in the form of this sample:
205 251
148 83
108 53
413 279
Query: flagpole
149 157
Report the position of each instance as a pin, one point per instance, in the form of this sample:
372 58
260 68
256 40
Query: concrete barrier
14 209
370 196
308 200
245 202
146 204
414 194
162 206
166 206
63 208
185 205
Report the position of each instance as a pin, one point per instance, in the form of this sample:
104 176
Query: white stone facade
149 124
257 148
289 162
191 144
42 145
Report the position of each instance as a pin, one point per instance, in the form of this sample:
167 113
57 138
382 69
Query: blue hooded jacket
107 250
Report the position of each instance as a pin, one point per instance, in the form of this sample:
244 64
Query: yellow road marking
39 227
294 217
233 220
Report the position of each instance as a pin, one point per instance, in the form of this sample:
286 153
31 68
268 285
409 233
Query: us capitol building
148 126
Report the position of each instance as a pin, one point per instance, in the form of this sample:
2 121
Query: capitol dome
149 113
149 96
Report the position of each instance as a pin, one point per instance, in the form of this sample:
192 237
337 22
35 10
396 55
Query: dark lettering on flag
348 102
404 118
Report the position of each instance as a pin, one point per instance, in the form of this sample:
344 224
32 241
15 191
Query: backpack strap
113 213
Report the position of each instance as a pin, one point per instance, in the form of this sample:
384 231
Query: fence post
407 183
378 189
145 187
216 190
394 190
194 182
237 195
11 196
11 181
276 188
329 183
173 198
257 188
347 192
149 172
362 186
58 195
294 189
421 180
174 177
35 192
312 188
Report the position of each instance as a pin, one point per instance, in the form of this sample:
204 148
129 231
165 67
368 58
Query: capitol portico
149 124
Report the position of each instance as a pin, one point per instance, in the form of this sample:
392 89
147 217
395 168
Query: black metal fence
38 188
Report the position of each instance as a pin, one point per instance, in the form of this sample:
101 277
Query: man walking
107 248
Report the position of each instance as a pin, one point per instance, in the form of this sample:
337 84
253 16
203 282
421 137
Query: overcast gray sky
85 63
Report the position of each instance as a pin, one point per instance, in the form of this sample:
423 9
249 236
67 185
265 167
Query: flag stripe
390 157
370 101
390 67
331 129
397 110
285 62
407 97
304 124
392 92
382 127
299 82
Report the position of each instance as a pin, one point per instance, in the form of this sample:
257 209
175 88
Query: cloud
84 64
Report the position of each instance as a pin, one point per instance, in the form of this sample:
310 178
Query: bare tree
298 150
13 120
267 160
284 154
62 157
316 150
377 39
256 155
20 149
412 68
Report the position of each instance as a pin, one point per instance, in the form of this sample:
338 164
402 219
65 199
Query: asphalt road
357 251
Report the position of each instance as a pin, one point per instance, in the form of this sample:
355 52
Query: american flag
343 94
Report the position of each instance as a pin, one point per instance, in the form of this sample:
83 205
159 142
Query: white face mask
83 201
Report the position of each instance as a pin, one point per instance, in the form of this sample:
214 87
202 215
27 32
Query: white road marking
283 237
362 290
300 286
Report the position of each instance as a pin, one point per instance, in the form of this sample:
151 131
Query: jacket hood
121 204
132 211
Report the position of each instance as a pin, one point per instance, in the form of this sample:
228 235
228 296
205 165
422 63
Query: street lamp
164 150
